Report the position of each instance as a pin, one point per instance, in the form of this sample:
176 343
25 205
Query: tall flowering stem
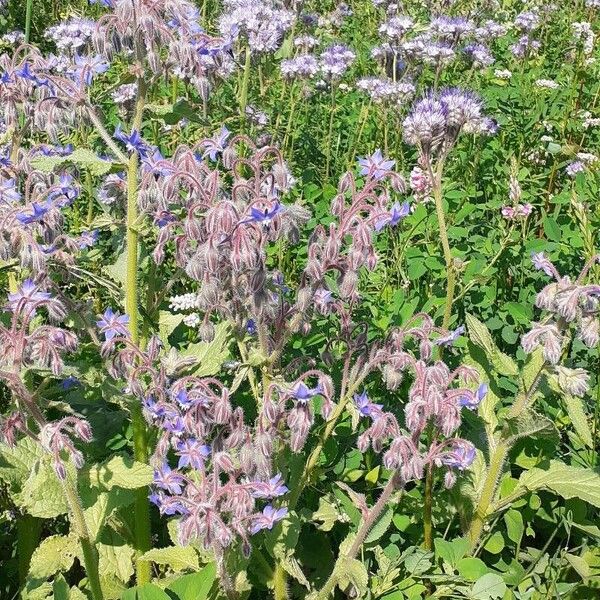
140 436
570 305
28 12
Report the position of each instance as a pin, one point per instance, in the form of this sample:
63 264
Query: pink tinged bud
59 469
349 284
363 442
337 205
77 458
552 348
425 349
449 479
271 411
589 331
346 182
567 303
223 461
83 430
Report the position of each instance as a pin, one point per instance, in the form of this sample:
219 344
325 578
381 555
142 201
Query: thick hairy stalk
280 585
367 524
245 83
487 494
28 11
436 180
140 441
88 547
427 509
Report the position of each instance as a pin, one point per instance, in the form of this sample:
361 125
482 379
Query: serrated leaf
209 356
564 480
98 507
179 558
167 323
81 157
195 586
119 471
54 554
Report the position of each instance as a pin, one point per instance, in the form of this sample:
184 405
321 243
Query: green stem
90 554
443 230
28 11
28 537
330 130
245 82
280 586
140 440
366 526
487 494
427 510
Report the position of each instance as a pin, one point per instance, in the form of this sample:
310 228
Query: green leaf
208 357
98 507
479 334
54 554
179 558
115 557
292 567
514 525
326 514
352 571
18 461
488 587
195 586
167 323
471 568
551 229
381 525
451 552
579 564
82 157
495 543
119 471
576 412
527 424
148 591
43 496
564 480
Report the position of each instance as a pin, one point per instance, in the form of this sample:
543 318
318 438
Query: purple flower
216 144
88 238
169 480
39 212
112 324
451 337
365 407
69 383
264 216
155 409
88 66
376 165
303 393
192 453
251 328
133 142
461 457
575 167
27 293
268 518
396 214
8 191
472 402
25 73
269 489
183 399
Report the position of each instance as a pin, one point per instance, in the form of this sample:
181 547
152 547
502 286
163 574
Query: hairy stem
280 586
28 11
436 180
427 509
487 493
245 82
140 436
90 553
367 523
